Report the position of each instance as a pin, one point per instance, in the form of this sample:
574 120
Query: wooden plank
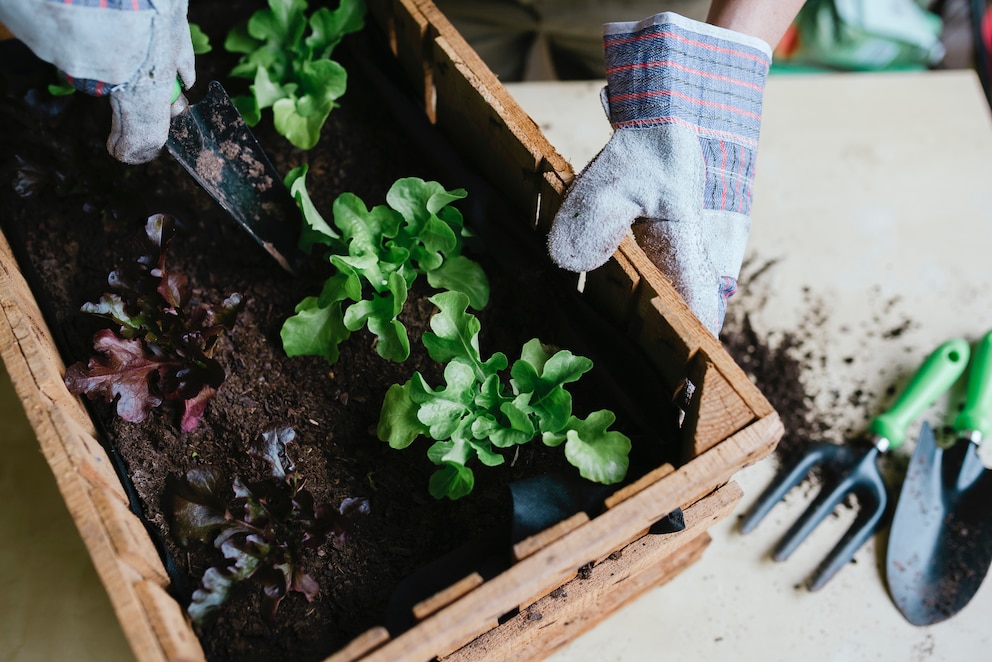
673 323
446 596
555 183
87 455
538 541
563 615
716 410
612 289
170 624
129 537
647 479
360 645
591 541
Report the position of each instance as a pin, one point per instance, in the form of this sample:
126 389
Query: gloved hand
130 49
684 99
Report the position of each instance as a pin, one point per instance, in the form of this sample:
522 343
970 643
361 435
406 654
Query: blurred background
541 40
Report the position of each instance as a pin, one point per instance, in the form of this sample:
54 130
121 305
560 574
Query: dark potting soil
74 214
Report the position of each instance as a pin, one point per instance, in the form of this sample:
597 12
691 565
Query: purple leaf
123 370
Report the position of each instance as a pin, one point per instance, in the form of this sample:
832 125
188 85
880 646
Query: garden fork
854 470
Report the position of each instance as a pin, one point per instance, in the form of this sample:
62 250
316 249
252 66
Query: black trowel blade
212 142
940 543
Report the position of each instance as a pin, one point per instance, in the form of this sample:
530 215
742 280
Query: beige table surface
873 205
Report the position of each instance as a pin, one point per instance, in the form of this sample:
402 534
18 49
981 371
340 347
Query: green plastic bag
862 35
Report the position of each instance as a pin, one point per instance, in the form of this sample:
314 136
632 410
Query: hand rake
849 470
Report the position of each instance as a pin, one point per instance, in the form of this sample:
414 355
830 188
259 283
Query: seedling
377 254
288 57
162 349
262 528
475 417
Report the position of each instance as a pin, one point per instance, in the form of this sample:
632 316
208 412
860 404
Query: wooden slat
558 618
540 540
446 596
87 455
591 541
361 645
641 483
612 289
170 624
129 537
716 410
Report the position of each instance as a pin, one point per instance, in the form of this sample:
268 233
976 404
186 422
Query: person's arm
765 19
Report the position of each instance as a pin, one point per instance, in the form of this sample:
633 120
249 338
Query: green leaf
544 375
239 41
451 480
314 330
323 82
442 409
248 108
460 274
316 230
417 200
486 454
435 240
201 42
112 306
302 131
328 27
453 452
599 455
344 285
283 22
455 332
267 92
380 313
398 422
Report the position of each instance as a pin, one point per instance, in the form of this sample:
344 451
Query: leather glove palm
132 50
684 99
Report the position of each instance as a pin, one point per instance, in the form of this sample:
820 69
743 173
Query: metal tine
861 529
776 491
828 498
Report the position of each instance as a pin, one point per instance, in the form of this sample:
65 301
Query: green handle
177 89
940 370
974 419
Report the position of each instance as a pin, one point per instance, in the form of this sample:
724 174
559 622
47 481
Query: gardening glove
684 99
132 50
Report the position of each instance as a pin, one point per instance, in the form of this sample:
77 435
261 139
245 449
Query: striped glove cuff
668 69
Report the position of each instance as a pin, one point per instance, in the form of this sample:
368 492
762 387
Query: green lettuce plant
287 56
478 413
377 254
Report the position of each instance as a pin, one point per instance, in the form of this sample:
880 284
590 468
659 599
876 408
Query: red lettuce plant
262 532
162 349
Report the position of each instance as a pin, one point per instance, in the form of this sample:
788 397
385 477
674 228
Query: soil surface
74 214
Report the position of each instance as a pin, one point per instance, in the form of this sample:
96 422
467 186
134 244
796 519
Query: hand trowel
212 142
940 542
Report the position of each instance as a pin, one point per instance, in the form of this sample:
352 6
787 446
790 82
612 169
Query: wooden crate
540 602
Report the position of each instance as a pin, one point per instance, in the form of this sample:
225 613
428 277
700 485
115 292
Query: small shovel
856 469
940 544
212 142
